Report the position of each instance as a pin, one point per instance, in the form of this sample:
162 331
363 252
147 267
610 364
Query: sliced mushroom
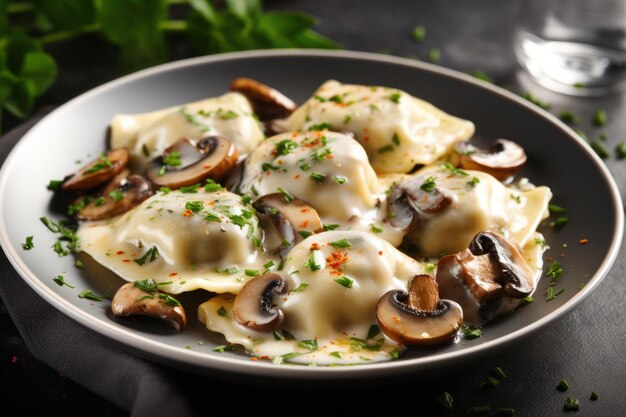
187 162
266 102
253 305
492 270
122 193
132 301
419 318
501 160
97 172
408 202
286 223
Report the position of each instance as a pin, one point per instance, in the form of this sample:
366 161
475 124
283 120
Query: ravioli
334 282
193 240
147 135
397 130
479 202
328 170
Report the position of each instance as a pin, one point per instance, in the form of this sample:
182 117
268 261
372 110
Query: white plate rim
169 354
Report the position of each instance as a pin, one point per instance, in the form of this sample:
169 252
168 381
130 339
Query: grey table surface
588 347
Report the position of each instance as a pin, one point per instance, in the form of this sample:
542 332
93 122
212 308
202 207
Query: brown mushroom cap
97 172
286 220
122 193
501 160
253 305
420 319
408 202
132 301
267 102
480 277
211 157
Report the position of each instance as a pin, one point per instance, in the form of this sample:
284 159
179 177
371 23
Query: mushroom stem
419 318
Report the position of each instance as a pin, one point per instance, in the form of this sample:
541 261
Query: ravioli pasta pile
344 231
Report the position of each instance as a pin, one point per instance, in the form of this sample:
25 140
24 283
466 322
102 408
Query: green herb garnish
28 244
344 281
60 281
150 256
317 177
89 295
429 184
222 312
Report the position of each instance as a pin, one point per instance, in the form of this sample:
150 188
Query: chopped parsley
385 149
168 299
28 244
479 410
571 404
285 146
228 271
67 236
395 139
594 396
454 170
551 294
150 256
300 287
560 222
340 179
149 285
621 150
328 227
599 149
89 295
99 166
446 401
212 186
60 281
222 312
569 117
341 244
599 117
554 209
536 101
305 233
517 198
373 331
266 166
376 229
472 183
505 411
563 385
286 196
224 348
346 119
190 189
54 185
310 345
313 263
554 271
470 332
251 272
165 190
419 33
79 264
344 281
212 217
116 195
194 206
317 177
320 126
395 97
429 184
434 55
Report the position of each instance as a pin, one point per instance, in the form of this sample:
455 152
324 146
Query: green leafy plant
139 29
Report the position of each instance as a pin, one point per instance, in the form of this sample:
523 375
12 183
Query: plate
77 130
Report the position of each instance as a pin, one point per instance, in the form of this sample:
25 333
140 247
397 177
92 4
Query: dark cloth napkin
143 388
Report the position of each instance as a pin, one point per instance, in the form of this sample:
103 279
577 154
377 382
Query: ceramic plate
77 131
